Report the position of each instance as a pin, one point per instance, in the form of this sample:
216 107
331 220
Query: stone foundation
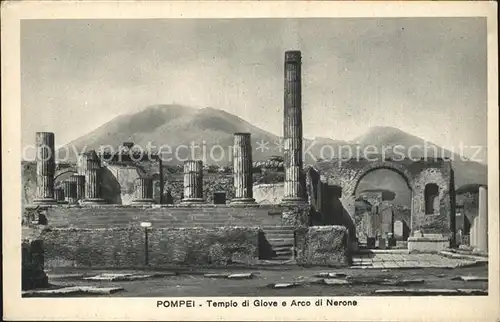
125 248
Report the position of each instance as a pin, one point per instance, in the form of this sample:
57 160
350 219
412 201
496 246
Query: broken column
292 130
482 229
92 166
193 181
70 191
80 185
242 169
143 191
45 168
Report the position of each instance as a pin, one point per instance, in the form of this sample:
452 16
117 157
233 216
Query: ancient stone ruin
92 212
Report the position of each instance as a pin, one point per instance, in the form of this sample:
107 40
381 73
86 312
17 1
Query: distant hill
178 129
180 126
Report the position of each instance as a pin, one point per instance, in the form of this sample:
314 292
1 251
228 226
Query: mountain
176 130
177 127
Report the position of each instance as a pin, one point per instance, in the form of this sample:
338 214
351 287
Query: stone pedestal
482 229
428 243
143 191
381 243
70 191
242 167
92 166
193 182
45 168
292 130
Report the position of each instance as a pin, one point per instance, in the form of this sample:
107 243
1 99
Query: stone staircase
281 241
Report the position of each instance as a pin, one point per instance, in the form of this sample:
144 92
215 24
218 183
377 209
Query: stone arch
63 171
370 167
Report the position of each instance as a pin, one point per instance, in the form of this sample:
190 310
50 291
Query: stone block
324 245
381 243
428 243
32 265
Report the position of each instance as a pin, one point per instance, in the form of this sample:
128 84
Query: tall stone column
143 191
45 168
70 191
292 129
482 231
79 181
242 169
193 181
92 166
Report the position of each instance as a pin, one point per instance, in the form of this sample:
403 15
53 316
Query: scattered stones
241 276
111 277
335 281
331 275
66 276
402 282
108 277
283 285
72 290
472 291
412 291
470 278
369 279
216 275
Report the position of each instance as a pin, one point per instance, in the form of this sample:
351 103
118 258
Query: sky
425 76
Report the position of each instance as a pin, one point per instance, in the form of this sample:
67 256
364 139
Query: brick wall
122 248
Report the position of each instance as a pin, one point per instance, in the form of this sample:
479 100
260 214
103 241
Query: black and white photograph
257 162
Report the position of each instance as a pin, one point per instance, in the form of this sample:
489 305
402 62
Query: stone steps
282 241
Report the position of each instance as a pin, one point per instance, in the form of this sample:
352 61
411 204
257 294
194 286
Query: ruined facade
334 184
202 212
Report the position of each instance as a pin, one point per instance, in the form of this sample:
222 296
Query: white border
369 308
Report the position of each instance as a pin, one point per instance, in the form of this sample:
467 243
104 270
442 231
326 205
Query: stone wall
270 193
323 245
346 174
32 260
64 216
122 248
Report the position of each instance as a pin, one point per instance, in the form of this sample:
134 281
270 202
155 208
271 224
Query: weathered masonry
333 185
90 214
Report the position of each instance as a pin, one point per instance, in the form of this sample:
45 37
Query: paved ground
375 274
402 259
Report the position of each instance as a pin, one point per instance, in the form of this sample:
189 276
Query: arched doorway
382 208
